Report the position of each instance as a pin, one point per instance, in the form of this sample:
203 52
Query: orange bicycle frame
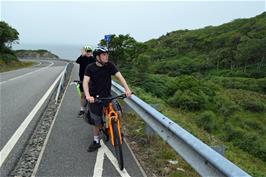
110 115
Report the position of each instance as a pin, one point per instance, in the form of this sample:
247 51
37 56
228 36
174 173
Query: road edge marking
135 158
15 137
36 167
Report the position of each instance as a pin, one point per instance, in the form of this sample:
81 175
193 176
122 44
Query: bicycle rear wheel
118 145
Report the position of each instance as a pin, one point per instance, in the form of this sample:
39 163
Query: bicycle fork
116 122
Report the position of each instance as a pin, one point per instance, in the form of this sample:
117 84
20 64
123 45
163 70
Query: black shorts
95 114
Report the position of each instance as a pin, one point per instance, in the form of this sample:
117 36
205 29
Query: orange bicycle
112 125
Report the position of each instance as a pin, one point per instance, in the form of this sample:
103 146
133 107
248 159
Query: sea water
70 52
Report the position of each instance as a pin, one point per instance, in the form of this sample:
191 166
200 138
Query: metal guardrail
200 156
60 85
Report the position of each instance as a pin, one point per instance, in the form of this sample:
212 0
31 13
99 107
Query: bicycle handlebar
77 81
109 99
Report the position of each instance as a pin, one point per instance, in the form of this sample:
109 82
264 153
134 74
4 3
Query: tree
251 51
141 67
8 35
124 49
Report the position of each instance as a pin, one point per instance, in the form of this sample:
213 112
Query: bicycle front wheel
118 145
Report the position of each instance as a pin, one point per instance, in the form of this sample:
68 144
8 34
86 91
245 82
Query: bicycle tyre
118 145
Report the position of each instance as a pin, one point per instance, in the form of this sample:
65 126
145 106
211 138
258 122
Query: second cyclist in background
84 60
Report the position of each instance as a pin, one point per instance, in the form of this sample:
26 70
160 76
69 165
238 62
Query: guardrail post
60 86
219 149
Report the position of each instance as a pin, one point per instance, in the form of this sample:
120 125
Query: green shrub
251 124
8 57
206 120
225 106
248 141
180 65
192 100
257 85
232 133
250 101
159 85
254 105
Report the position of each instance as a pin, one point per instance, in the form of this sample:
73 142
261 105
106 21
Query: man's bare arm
86 81
122 80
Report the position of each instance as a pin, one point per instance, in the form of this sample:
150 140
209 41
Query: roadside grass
156 157
14 64
154 153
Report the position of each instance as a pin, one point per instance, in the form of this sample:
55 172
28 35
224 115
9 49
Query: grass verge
154 154
13 65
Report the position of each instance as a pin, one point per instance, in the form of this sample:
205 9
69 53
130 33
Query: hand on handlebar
128 93
90 99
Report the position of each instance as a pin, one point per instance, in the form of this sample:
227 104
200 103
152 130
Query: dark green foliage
191 100
185 92
181 65
7 57
234 45
248 141
241 83
8 35
250 101
254 106
191 93
225 106
217 73
206 120
123 49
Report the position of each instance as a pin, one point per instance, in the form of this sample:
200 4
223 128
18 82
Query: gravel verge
29 157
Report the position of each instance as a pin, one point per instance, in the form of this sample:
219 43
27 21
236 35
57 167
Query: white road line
98 168
35 170
135 158
37 64
13 140
27 73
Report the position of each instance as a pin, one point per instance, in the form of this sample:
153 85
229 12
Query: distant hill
233 45
35 54
213 78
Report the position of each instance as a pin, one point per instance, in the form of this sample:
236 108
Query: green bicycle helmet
87 48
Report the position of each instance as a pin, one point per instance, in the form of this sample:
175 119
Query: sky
86 22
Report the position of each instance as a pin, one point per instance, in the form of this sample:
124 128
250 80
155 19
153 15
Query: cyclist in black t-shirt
84 60
97 81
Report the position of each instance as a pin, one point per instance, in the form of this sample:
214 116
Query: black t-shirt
100 78
83 62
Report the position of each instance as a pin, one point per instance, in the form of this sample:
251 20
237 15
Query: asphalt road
20 91
66 151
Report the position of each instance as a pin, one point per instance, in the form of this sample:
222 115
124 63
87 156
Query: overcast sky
79 22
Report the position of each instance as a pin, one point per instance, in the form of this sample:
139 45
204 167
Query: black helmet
99 50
